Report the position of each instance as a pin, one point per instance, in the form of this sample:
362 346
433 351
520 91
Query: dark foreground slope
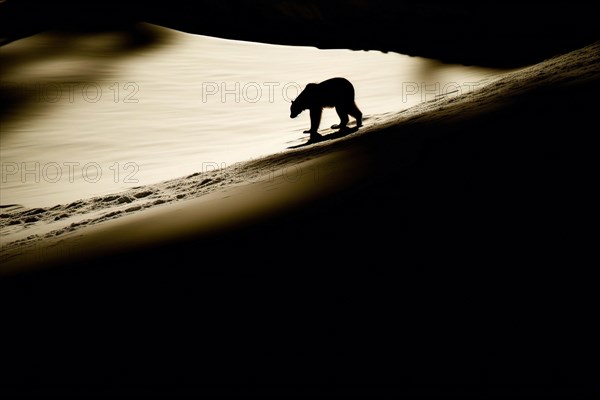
460 262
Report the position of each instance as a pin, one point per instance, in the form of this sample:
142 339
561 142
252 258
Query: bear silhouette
334 92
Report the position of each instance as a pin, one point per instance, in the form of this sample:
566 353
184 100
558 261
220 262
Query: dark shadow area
459 267
493 33
20 19
317 138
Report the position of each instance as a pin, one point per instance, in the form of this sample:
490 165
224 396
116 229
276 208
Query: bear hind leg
355 112
343 114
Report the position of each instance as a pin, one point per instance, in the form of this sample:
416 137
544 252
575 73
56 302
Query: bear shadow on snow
317 137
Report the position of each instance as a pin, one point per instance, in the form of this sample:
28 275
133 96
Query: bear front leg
315 120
